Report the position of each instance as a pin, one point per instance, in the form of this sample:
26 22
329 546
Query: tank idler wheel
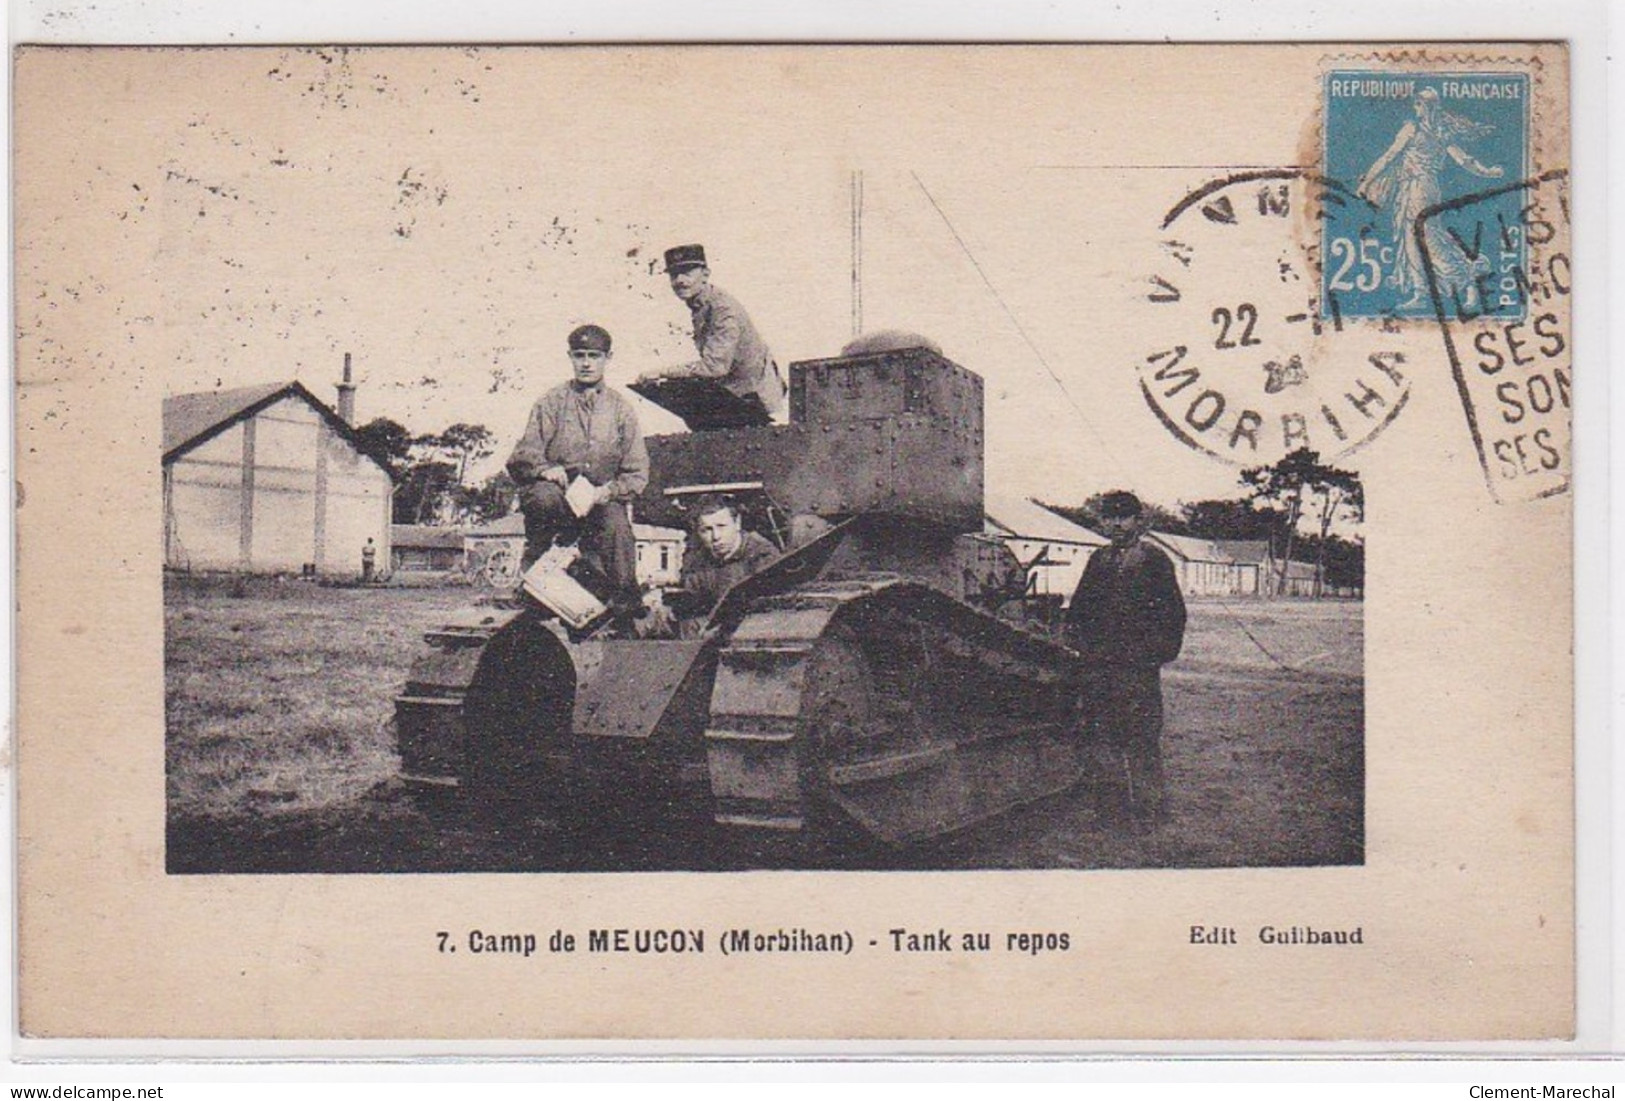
518 704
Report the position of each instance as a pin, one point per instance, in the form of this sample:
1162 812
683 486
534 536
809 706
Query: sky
446 216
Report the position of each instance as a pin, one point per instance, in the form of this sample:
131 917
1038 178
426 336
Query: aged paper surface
1151 256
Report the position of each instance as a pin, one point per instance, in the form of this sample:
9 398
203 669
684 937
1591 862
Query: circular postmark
1252 362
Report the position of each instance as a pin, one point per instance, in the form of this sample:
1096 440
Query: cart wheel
502 569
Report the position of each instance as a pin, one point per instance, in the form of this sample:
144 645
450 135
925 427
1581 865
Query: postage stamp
1507 331
1403 142
1263 362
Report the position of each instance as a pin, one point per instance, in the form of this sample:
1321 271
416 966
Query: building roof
1191 548
189 417
425 537
194 419
1247 551
1023 518
508 526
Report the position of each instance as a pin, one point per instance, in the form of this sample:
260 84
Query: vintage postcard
768 543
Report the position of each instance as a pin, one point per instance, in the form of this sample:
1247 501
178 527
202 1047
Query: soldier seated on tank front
583 439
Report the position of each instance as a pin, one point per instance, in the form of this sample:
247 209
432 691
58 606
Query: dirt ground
280 758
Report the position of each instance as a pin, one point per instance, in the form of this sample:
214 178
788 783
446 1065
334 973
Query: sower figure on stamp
583 428
731 350
1406 179
1127 619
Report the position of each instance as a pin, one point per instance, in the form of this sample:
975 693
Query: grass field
279 756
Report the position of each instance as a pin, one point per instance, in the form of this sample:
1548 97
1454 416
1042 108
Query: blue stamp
1401 145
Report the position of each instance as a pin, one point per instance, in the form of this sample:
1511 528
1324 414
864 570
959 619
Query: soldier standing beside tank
731 350
583 428
1127 619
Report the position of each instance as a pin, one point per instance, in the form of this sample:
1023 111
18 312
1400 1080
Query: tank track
882 706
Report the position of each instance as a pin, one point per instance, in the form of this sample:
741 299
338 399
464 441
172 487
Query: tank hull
863 706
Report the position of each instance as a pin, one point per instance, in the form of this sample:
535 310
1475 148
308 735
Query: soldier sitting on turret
731 350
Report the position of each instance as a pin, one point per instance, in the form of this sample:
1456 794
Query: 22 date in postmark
1260 364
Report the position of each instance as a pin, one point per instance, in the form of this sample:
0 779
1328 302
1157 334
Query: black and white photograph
587 565
672 520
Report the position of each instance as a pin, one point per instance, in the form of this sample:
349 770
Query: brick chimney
347 395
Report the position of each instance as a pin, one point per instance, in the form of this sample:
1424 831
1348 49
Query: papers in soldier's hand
581 496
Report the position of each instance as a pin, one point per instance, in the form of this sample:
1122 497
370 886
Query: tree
1345 562
423 494
492 499
1300 481
465 443
388 442
431 471
1225 519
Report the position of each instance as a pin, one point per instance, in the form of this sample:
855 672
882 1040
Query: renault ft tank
863 685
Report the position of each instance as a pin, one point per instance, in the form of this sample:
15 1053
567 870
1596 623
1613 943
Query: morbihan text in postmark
1404 141
1508 334
1254 365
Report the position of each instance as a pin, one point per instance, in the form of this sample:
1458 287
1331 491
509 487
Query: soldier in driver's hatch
1127 619
726 553
583 428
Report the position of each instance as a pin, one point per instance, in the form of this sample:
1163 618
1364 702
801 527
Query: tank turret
896 433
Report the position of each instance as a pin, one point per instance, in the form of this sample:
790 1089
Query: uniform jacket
1127 610
731 350
593 432
707 579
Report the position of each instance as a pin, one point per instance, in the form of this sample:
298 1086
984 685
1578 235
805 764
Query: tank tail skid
882 705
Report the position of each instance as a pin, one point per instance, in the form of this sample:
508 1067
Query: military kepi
684 257
594 337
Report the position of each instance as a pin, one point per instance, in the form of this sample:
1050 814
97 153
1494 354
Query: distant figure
369 562
1405 180
1127 620
583 428
731 350
727 554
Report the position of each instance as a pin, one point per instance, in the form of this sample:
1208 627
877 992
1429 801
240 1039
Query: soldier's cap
1120 504
683 257
595 337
